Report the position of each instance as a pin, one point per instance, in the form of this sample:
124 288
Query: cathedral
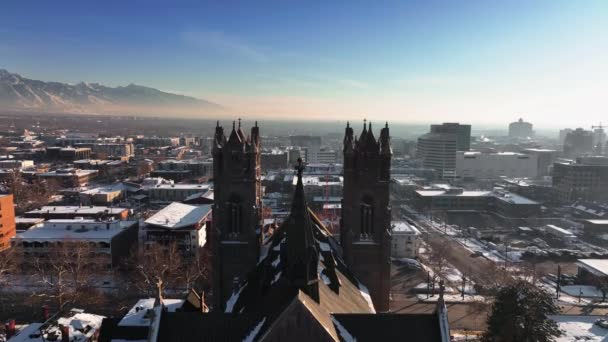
299 283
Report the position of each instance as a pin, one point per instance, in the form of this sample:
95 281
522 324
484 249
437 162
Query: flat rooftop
178 215
72 209
182 186
598 222
94 231
465 193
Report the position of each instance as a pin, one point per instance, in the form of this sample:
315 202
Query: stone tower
365 229
237 208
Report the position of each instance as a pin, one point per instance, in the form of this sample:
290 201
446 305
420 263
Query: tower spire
302 251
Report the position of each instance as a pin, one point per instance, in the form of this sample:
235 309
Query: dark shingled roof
389 327
110 330
191 326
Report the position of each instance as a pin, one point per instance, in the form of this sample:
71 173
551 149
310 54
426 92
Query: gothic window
235 216
367 218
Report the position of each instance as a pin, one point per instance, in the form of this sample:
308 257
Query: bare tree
154 267
27 195
196 270
67 273
7 265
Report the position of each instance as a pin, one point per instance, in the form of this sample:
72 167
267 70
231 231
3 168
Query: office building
585 179
520 129
544 159
437 149
478 165
578 142
110 241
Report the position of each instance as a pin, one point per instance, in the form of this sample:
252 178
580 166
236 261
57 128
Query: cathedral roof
339 290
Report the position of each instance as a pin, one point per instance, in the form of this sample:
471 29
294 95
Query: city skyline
476 62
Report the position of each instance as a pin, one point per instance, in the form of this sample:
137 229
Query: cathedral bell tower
237 208
365 229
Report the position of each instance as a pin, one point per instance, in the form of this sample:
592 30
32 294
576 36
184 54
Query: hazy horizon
479 62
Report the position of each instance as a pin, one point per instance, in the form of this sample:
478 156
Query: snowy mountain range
20 93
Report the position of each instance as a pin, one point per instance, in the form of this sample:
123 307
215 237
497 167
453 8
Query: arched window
367 217
235 215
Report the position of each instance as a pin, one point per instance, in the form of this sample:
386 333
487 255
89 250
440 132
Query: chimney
10 328
65 333
45 313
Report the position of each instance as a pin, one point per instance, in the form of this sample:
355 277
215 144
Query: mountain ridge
21 93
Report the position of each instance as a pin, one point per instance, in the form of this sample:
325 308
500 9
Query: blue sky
419 61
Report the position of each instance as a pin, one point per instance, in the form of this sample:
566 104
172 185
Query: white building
184 224
561 233
478 165
406 240
327 157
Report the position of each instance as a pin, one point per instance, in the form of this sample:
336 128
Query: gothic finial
218 123
370 126
239 122
300 168
386 125
233 125
347 124
256 123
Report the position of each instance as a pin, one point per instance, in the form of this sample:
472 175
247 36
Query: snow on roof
446 193
178 215
256 330
183 186
580 328
25 333
83 326
365 293
404 227
342 332
136 317
96 231
597 221
72 209
595 266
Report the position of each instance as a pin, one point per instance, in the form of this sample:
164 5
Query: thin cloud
219 41
353 83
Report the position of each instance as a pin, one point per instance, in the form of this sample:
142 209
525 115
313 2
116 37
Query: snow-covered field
580 328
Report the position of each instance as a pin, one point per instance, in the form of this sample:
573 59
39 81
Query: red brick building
7 220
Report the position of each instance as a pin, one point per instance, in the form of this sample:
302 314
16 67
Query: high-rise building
7 220
544 159
365 230
237 208
563 133
437 149
586 179
520 129
310 144
578 142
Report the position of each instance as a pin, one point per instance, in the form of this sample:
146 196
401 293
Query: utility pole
428 284
558 286
464 283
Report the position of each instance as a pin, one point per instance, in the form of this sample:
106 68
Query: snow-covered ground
450 298
580 328
582 290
